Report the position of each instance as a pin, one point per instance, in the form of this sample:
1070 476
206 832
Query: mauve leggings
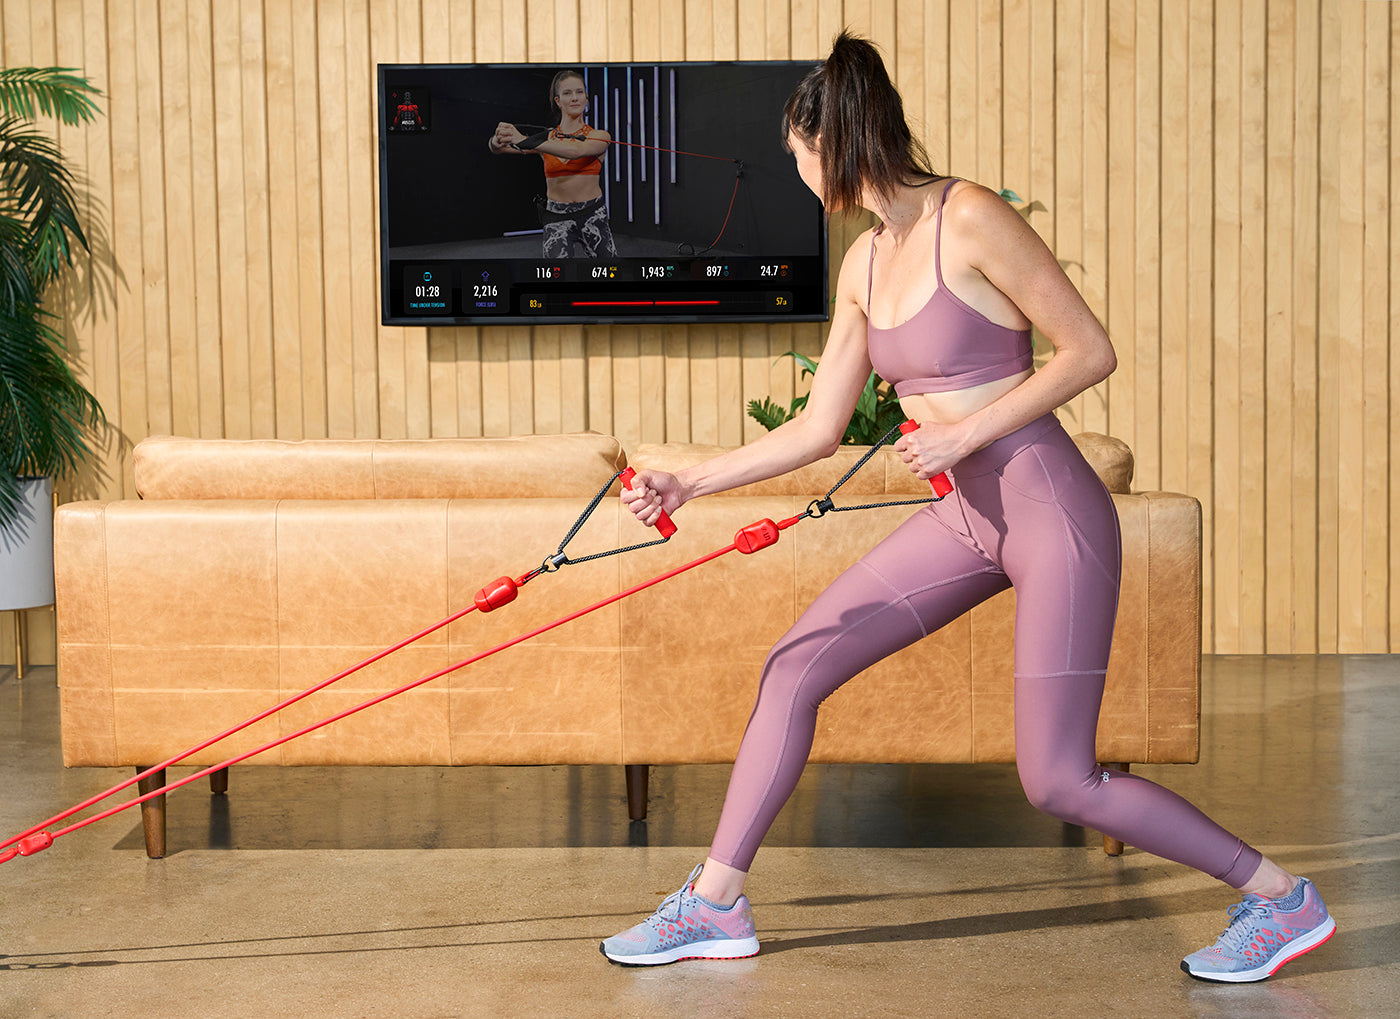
1026 511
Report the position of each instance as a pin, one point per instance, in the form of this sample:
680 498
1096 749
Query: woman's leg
1056 719
561 228
597 235
558 240
918 579
1062 553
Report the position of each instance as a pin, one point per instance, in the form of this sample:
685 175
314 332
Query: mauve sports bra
945 345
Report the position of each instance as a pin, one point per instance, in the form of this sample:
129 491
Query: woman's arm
1010 254
815 432
576 148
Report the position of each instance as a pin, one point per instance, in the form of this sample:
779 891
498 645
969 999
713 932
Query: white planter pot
26 549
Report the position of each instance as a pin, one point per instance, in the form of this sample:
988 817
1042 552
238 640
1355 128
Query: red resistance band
498 593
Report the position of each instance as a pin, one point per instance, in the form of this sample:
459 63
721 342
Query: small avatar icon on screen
409 111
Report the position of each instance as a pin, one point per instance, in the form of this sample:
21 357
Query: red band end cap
35 843
756 536
500 592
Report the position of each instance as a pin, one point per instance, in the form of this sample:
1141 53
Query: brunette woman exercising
573 210
939 298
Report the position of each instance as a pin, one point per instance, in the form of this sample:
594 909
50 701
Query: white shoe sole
1289 952
742 948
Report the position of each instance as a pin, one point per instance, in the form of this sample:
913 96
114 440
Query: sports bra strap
937 248
870 269
938 234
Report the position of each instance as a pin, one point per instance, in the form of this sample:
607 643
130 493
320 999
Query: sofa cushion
1111 459
525 467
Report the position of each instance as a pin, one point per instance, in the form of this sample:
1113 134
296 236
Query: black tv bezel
428 320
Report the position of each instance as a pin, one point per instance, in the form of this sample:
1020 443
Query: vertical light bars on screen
630 161
629 127
656 152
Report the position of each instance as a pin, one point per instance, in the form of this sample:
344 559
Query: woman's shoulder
968 200
860 248
981 224
855 265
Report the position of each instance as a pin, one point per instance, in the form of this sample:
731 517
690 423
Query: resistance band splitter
500 592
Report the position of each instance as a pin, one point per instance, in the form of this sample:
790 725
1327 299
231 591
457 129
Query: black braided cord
818 507
559 559
821 507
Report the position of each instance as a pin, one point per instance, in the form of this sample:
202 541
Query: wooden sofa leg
153 814
1112 846
637 776
218 782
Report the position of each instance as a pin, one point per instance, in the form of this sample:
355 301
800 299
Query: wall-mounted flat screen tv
595 193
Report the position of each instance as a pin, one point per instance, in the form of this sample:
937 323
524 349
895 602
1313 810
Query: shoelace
1244 917
674 900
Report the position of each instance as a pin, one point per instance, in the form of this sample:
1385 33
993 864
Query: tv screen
594 193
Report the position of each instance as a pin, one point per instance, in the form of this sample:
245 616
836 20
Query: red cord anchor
28 846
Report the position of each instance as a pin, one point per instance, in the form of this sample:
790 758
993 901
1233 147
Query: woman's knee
1062 793
783 670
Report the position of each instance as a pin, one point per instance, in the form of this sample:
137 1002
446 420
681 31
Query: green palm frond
36 189
30 92
769 414
45 413
47 418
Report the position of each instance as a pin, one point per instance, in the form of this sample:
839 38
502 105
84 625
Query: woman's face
572 97
809 161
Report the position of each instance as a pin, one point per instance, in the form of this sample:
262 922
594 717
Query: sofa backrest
885 474
525 467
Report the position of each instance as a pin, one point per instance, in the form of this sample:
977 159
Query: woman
573 209
940 298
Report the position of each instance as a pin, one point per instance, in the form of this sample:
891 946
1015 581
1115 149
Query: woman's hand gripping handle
941 485
662 521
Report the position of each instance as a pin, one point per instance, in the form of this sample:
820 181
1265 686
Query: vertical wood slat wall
1216 176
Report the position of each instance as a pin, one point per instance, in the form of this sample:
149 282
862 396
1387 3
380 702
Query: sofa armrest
1157 641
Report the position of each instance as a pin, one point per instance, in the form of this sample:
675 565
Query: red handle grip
941 485
663 523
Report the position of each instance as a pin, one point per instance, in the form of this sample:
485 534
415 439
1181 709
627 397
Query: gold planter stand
19 642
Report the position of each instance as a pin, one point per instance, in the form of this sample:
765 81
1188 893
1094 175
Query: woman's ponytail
849 103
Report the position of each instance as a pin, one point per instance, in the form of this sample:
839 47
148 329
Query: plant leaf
809 366
48 91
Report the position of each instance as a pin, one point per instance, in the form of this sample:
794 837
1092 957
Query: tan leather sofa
250 571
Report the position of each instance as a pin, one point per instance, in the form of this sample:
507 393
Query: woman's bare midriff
950 408
583 188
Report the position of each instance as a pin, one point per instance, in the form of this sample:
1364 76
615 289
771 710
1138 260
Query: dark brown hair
554 106
849 102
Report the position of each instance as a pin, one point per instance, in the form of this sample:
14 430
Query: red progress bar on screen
634 304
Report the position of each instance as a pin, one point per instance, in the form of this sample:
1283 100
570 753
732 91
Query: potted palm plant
47 418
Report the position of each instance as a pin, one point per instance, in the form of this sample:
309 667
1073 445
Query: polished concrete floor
883 891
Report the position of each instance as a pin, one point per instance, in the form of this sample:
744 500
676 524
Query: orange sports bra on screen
580 167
